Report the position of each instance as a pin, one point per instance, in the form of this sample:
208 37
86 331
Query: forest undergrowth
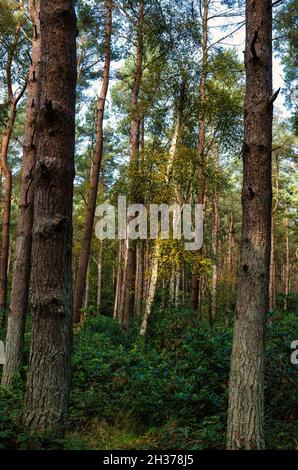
168 391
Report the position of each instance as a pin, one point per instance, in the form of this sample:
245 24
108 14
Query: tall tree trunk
6 215
272 281
202 137
99 279
128 294
246 388
22 264
48 380
13 100
215 250
1 186
287 265
95 171
230 248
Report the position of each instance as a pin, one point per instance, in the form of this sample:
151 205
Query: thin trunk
120 312
177 288
99 279
1 214
22 264
48 380
230 249
95 171
215 250
246 388
139 278
13 99
5 222
272 282
152 289
128 297
287 265
202 136
118 283
172 287
86 295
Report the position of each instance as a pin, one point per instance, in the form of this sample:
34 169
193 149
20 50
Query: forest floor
167 392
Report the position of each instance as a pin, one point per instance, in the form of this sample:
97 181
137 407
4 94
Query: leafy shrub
167 391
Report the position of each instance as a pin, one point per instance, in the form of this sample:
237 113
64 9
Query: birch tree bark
152 289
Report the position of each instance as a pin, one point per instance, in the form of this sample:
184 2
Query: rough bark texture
48 378
246 392
22 264
97 159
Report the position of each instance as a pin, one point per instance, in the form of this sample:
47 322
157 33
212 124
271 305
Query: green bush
167 391
177 379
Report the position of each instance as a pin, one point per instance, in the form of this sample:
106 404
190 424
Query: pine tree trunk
215 250
1 185
128 295
86 295
272 281
230 249
13 100
95 171
99 279
22 264
5 221
201 141
48 379
246 388
287 265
